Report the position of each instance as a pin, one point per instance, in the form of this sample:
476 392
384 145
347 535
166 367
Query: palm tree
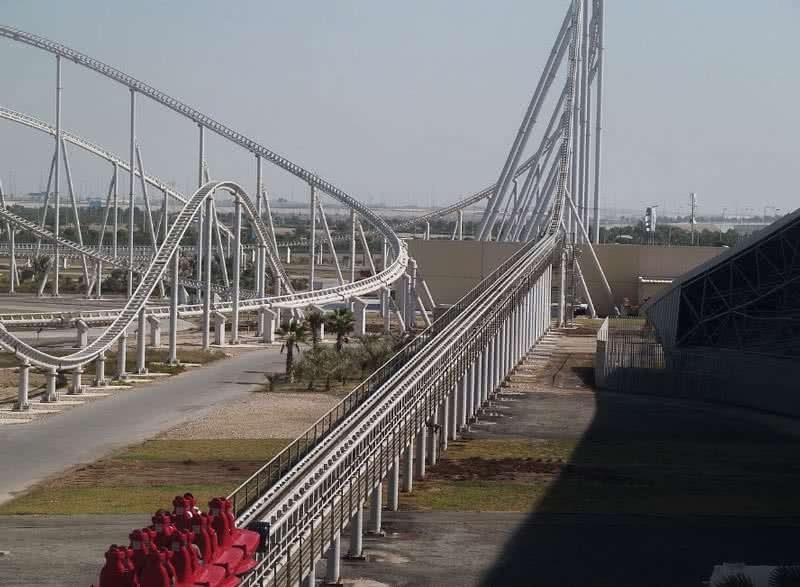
375 351
293 334
341 321
316 320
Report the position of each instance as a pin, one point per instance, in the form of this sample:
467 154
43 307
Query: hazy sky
417 101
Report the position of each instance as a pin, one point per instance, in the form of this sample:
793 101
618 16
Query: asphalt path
33 452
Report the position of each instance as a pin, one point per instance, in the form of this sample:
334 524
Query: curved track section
155 272
211 124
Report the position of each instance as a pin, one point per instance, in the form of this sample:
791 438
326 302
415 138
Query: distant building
36 196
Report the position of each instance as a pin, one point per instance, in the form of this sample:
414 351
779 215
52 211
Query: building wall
624 264
452 268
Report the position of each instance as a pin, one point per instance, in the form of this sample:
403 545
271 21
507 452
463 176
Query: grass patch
465 496
206 450
107 500
515 448
564 498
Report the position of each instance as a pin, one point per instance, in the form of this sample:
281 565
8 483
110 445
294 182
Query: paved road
33 452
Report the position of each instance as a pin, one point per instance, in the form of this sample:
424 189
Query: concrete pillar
237 269
219 328
334 554
356 532
408 468
485 373
444 419
392 495
22 394
122 350
375 510
477 392
100 370
270 318
50 394
155 331
140 346
83 334
360 311
76 381
419 442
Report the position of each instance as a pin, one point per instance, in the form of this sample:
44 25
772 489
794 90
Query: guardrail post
356 532
122 349
100 370
50 394
333 556
76 381
155 331
392 495
419 443
140 344
408 466
375 510
22 393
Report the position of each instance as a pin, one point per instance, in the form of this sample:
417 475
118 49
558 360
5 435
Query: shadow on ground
704 485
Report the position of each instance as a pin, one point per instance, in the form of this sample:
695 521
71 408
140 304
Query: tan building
635 272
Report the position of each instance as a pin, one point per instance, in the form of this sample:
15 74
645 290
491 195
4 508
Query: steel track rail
207 122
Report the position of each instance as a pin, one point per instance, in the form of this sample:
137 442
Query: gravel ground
258 415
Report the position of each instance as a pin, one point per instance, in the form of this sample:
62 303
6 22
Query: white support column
23 403
76 388
131 192
333 556
432 440
270 318
393 491
140 344
237 268
207 275
122 350
360 311
57 179
408 468
50 394
100 370
375 510
463 386
356 533
83 334
444 422
352 246
485 375
476 388
452 429
219 328
172 358
471 392
312 250
155 331
420 445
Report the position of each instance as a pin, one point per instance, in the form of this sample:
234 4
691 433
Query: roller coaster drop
302 500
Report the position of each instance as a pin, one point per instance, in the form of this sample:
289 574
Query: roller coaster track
309 491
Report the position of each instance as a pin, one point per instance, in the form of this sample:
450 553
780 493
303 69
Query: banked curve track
155 271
